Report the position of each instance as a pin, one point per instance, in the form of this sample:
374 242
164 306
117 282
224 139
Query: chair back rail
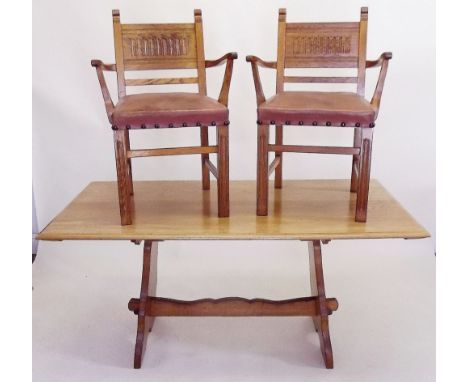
159 46
321 45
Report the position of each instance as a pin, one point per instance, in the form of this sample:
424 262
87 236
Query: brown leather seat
168 110
317 108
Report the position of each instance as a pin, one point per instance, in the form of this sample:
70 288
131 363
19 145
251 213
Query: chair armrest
256 62
106 67
382 61
100 67
228 56
259 61
229 59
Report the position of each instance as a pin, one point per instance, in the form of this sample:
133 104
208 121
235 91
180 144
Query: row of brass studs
226 123
315 123
156 126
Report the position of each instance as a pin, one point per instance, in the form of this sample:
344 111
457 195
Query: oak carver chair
318 45
166 46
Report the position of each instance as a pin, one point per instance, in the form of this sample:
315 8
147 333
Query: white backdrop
72 139
384 287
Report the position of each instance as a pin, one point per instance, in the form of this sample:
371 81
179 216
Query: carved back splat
322 45
159 46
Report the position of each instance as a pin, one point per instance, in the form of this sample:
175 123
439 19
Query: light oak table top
181 210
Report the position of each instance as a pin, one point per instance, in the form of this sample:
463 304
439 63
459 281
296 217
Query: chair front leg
356 160
279 168
123 180
222 134
205 158
262 170
364 175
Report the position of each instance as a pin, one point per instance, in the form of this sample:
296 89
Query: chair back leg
279 167
123 176
205 158
364 175
222 134
130 175
262 170
356 160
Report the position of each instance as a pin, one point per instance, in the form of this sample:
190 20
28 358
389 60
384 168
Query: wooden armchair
166 46
318 45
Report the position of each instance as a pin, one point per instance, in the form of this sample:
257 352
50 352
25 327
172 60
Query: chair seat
317 108
168 110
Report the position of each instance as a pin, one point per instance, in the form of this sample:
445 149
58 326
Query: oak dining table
311 211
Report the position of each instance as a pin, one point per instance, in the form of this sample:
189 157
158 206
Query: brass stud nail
184 124
314 123
301 123
343 124
128 127
272 123
357 124
259 122
114 127
213 123
198 123
226 123
288 122
371 124
328 123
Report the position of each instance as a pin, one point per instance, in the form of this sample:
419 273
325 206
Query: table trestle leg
148 288
317 285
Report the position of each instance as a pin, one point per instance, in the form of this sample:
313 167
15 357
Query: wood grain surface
181 210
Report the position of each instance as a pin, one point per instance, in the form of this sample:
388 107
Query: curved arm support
100 67
260 62
375 63
382 61
228 56
229 59
256 62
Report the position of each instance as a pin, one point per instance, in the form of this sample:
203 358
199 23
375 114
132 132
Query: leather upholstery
167 110
317 108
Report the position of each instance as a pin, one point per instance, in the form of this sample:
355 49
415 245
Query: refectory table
315 211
